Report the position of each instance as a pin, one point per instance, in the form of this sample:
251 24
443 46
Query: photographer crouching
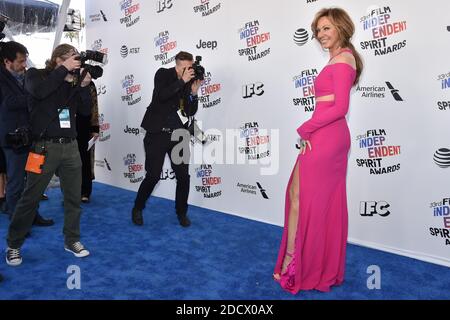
58 93
174 100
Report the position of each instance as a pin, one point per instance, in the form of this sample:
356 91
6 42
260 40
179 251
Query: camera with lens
21 137
96 56
199 71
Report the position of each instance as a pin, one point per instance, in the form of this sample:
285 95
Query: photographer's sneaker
77 249
13 257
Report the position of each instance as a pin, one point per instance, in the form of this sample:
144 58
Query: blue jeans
16 175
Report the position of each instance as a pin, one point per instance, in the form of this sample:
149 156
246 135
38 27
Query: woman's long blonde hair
58 52
345 27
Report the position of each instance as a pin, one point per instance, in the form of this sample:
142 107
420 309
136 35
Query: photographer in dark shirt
14 116
56 99
175 89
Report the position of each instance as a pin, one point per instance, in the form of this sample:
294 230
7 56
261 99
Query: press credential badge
64 118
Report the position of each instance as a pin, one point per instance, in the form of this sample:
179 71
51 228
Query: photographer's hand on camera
188 75
72 63
195 86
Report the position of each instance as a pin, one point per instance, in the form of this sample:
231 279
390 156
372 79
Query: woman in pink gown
313 246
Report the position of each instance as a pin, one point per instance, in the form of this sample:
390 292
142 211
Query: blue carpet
219 257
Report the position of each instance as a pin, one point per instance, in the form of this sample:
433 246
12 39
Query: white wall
415 125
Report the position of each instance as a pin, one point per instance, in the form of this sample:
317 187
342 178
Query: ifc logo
301 37
124 51
442 158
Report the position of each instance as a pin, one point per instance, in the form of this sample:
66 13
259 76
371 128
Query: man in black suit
175 89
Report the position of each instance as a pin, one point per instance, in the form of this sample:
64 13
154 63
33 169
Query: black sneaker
184 221
77 249
13 257
136 217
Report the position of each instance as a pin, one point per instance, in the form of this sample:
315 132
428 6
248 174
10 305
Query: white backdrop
399 114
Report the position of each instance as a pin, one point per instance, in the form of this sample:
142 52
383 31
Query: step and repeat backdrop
261 60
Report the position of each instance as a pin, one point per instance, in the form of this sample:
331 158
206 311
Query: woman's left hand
304 144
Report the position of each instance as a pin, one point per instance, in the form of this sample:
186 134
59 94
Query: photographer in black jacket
175 89
56 99
14 115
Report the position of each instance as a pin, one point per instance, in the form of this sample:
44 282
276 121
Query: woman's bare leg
294 190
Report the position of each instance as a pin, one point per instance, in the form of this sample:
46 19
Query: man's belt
60 140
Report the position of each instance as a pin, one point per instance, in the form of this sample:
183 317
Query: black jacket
13 105
167 92
50 92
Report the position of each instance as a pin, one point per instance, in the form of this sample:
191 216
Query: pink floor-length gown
321 236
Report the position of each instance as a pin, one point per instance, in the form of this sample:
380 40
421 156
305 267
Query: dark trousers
86 166
64 158
156 146
15 173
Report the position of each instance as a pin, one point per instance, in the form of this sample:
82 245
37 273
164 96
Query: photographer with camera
57 95
15 123
174 93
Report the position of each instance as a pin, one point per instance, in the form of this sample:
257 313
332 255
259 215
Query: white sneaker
13 257
77 249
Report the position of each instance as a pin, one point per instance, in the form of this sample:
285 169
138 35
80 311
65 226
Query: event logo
374 141
371 208
379 92
98 17
249 90
129 8
104 128
206 7
98 46
130 130
213 138
441 210
444 79
253 189
209 184
443 105
254 38
124 51
131 89
162 5
102 164
207 45
382 29
442 157
167 174
164 46
394 92
209 91
134 170
304 82
301 37
254 145
101 89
